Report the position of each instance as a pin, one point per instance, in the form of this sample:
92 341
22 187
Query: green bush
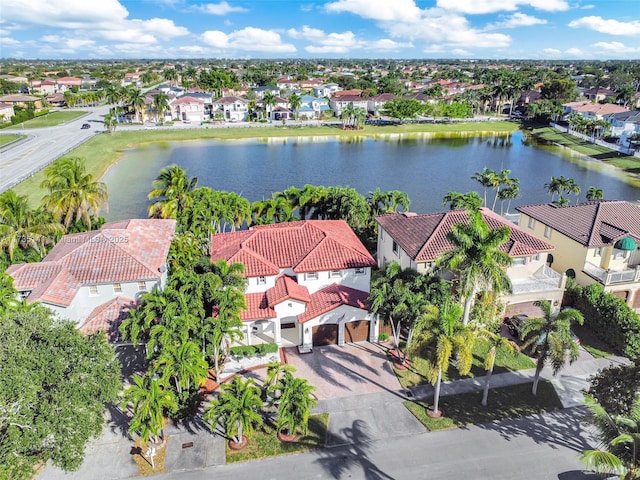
383 337
254 350
610 318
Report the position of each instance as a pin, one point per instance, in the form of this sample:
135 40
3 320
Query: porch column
277 333
341 327
636 277
249 327
374 329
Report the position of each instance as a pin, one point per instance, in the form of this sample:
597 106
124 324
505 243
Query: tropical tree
183 365
550 336
236 408
73 194
486 178
476 259
110 121
509 192
466 201
294 404
21 227
161 104
226 324
595 193
269 100
8 294
619 437
497 343
295 102
387 202
150 399
276 372
135 98
173 187
440 336
347 115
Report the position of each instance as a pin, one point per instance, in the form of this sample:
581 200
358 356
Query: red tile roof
592 224
257 308
126 251
108 317
304 246
332 297
424 237
285 288
186 100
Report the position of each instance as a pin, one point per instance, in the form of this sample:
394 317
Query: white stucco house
416 241
94 277
188 109
233 109
307 283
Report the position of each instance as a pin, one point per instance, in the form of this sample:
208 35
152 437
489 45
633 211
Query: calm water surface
424 168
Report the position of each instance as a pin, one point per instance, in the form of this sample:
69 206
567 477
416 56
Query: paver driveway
352 369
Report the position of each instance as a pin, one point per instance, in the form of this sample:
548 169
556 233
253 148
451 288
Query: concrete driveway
353 369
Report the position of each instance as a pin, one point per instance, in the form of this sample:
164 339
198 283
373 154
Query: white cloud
552 52
386 44
616 48
610 27
68 14
222 8
76 43
517 20
492 6
51 38
9 41
382 10
249 39
574 53
460 52
161 26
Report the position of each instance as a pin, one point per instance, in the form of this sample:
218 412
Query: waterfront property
307 283
94 277
416 241
594 241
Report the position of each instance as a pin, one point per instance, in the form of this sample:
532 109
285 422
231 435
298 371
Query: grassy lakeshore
103 150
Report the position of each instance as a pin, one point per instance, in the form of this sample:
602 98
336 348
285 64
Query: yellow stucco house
595 241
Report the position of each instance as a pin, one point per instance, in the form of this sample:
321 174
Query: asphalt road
43 145
542 447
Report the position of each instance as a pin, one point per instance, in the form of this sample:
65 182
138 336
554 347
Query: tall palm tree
347 115
73 194
550 336
595 193
150 399
21 227
295 404
295 102
439 337
466 201
496 343
183 365
226 323
509 192
553 187
476 259
161 104
619 437
173 187
276 372
485 178
269 101
236 408
135 98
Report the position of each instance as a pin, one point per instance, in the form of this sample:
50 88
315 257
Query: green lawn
506 402
264 443
53 119
5 139
504 363
592 344
101 151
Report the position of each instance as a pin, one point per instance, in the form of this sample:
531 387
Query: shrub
383 337
610 318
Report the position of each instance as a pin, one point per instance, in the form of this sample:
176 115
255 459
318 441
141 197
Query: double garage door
357 331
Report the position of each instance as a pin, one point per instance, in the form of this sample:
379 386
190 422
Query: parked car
85 126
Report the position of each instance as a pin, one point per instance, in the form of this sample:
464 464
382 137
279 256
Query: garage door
527 308
357 331
325 335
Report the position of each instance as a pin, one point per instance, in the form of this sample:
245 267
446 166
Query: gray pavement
372 436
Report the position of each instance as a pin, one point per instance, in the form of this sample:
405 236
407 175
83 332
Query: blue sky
489 29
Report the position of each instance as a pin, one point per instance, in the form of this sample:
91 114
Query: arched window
571 273
549 259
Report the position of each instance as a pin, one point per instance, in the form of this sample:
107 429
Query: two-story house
417 241
93 277
307 282
188 109
312 107
233 109
594 241
339 102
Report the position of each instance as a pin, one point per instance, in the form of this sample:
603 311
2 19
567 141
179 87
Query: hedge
254 350
610 318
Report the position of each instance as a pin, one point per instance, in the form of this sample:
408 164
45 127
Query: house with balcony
312 107
595 242
417 241
232 109
307 283
93 278
624 125
188 109
339 102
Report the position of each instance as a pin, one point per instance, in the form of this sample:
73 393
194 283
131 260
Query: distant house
188 109
337 103
417 241
6 112
261 91
374 104
233 109
594 111
624 125
598 94
307 283
88 276
595 242
312 107
326 90
21 100
67 83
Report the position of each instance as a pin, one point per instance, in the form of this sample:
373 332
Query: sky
429 29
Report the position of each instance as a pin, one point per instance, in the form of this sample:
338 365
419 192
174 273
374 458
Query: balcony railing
544 279
608 277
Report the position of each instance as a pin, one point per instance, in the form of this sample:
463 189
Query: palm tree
149 399
509 192
9 298
226 324
440 336
237 408
295 102
184 365
113 94
595 193
174 188
161 104
496 343
347 115
295 404
476 258
135 98
620 438
269 100
466 201
110 121
276 372
359 117
550 336
572 187
553 187
21 227
73 194
486 179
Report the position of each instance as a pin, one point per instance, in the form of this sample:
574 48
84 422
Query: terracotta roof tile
257 308
108 317
592 224
331 297
286 287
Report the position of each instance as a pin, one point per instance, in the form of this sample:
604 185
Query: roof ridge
435 231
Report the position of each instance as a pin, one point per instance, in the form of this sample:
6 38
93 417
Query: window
261 280
395 247
520 261
335 274
360 271
547 232
93 289
532 223
117 288
597 252
536 257
311 276
142 286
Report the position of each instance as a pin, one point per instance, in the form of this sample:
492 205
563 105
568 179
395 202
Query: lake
426 168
